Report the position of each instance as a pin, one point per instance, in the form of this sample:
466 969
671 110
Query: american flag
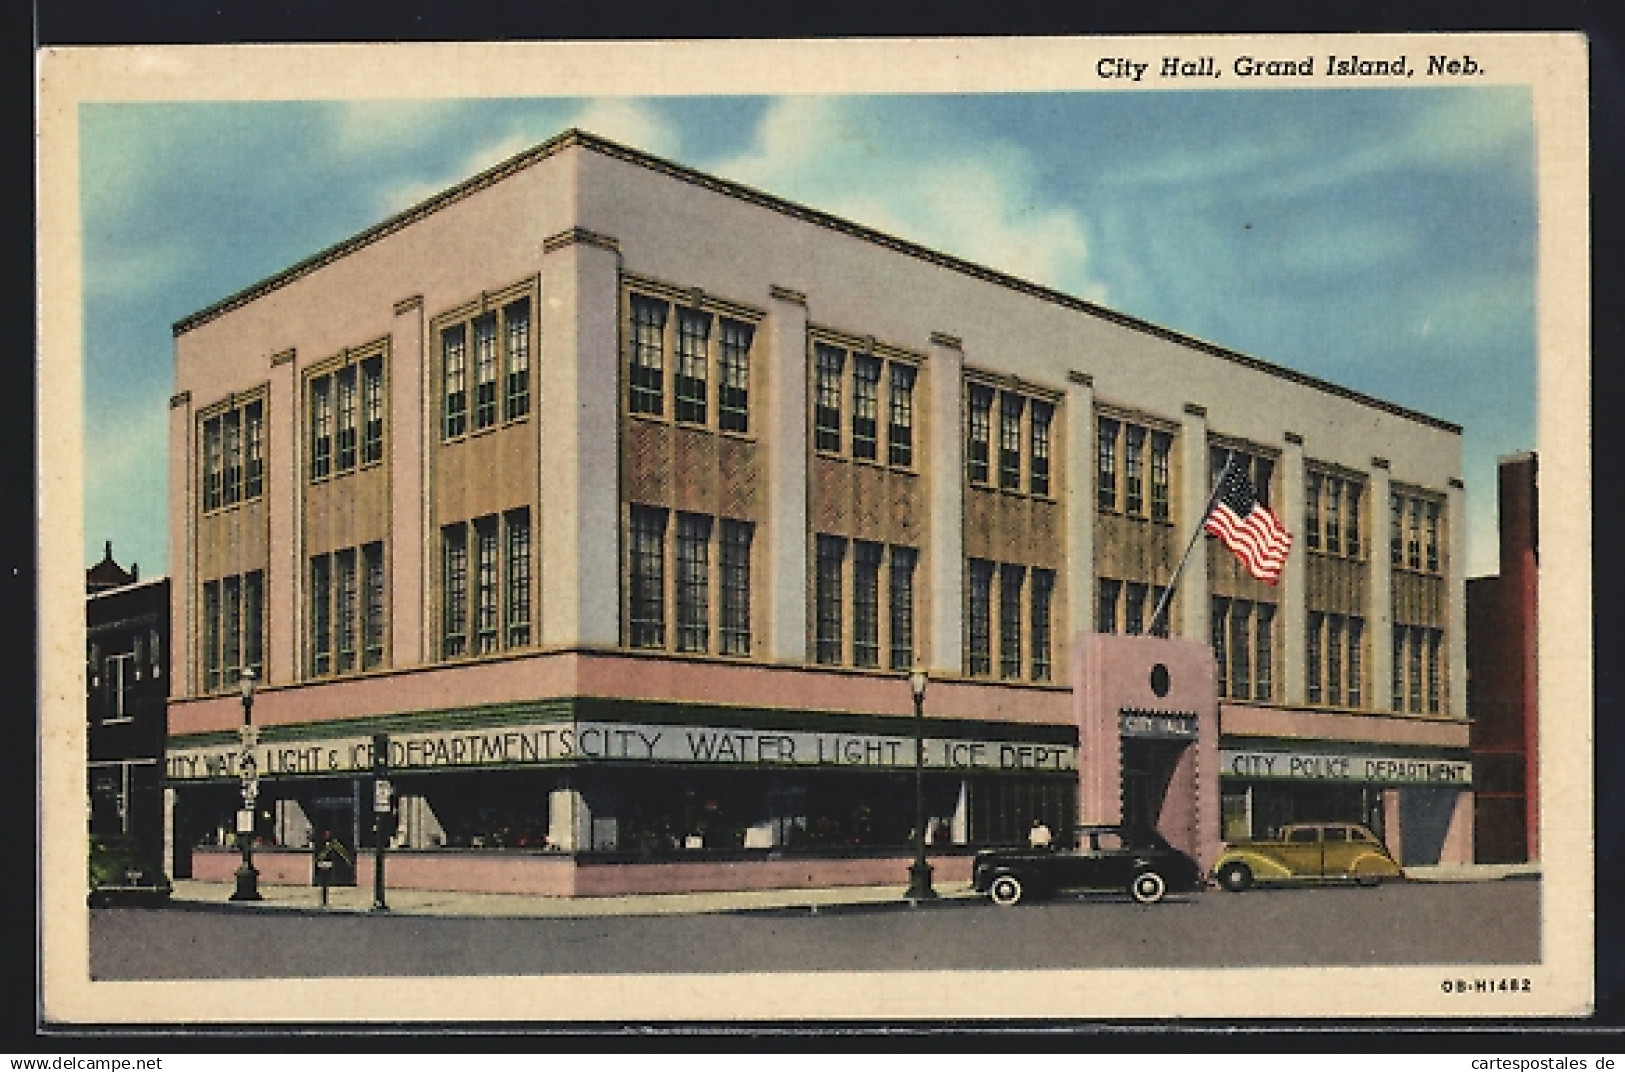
1248 527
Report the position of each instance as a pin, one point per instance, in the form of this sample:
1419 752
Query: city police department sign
618 742
1343 767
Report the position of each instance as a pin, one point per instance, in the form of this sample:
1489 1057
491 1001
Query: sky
1380 239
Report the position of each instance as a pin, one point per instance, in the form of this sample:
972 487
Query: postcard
1050 529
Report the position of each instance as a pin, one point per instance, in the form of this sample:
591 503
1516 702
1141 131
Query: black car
1137 862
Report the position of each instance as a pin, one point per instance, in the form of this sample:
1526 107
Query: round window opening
1159 680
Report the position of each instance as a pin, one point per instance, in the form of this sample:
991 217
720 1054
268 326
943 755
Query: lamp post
248 879
919 875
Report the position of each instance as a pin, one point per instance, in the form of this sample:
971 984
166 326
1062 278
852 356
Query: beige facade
593 405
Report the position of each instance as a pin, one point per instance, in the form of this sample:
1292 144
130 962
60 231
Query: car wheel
1235 877
1147 887
1006 890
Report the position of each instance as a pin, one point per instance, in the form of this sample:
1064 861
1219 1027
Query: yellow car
1307 852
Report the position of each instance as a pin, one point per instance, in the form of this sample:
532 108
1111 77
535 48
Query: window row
1259 469
1244 648
1334 659
347 418
1414 537
233 629
1419 672
862 382
708 564
112 677
1021 420
874 568
347 617
1331 522
1124 452
485 584
706 349
1021 605
234 455
1130 607
500 340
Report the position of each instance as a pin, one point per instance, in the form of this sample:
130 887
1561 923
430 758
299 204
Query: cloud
920 181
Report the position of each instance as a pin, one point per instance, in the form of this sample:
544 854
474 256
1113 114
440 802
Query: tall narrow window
1219 628
1106 463
454 373
321 615
979 618
1435 670
1042 598
1415 668
734 629
1356 491
1106 593
733 376
646 379
253 450
827 599
485 580
211 636
485 371
454 591
1161 450
321 427
1311 511
1397 699
1396 530
253 626
213 464
345 592
1134 608
865 406
901 602
344 386
1313 660
231 656
1263 478
900 432
647 569
1038 478
1010 406
693 581
372 410
827 397
1010 585
693 344
866 604
232 433
1433 537
1133 469
372 606
1334 515
516 569
977 432
1413 536
516 359
1356 662
1240 649
1263 651
1334 660
1158 625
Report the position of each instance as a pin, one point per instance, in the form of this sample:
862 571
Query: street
1411 923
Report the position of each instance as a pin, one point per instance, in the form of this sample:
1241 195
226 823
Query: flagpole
1167 593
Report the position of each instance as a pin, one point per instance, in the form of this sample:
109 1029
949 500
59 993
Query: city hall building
621 499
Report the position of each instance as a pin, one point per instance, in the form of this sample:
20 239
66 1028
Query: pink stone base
561 875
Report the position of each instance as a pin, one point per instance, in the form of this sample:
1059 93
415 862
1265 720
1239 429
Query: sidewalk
352 899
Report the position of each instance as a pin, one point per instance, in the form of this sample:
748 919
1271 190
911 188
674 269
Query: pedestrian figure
1039 836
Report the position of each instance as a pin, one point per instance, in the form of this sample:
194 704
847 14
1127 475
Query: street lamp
919 875
248 879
